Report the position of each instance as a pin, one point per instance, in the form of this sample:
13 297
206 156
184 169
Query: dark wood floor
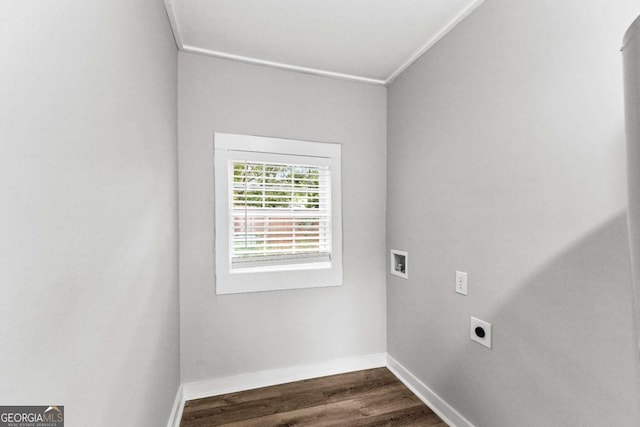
373 397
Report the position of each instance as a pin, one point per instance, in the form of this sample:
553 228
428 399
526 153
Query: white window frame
269 278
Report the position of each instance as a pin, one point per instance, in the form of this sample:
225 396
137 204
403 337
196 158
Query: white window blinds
278 213
281 210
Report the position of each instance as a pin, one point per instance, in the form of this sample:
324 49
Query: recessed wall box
399 263
481 332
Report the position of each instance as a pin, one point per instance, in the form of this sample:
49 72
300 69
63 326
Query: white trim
254 380
440 34
243 382
177 34
230 281
171 13
438 405
267 144
283 66
176 411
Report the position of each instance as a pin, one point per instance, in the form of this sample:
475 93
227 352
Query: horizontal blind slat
281 213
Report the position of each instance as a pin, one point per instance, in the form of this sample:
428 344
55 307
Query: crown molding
175 27
290 67
433 40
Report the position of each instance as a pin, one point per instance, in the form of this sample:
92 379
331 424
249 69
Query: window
278 214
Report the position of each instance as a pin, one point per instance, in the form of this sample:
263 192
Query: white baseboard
445 411
253 380
176 411
217 386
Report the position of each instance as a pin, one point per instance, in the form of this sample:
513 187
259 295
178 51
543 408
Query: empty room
320 213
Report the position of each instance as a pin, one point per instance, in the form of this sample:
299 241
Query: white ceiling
366 40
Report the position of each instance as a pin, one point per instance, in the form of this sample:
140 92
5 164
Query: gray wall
88 241
234 334
632 125
506 160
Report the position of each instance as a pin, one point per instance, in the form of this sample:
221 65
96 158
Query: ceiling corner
433 40
175 28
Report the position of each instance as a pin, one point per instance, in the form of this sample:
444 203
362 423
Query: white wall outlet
481 332
399 263
461 282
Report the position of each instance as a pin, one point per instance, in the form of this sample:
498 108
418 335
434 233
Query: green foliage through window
263 185
280 209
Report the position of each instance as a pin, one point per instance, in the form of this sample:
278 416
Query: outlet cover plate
486 327
461 282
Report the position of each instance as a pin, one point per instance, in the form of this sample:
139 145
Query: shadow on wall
571 345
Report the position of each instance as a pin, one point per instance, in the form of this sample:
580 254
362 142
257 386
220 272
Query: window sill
293 267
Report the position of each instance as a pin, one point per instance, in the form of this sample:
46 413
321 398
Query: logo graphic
32 416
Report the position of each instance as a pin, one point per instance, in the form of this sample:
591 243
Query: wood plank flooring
374 397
